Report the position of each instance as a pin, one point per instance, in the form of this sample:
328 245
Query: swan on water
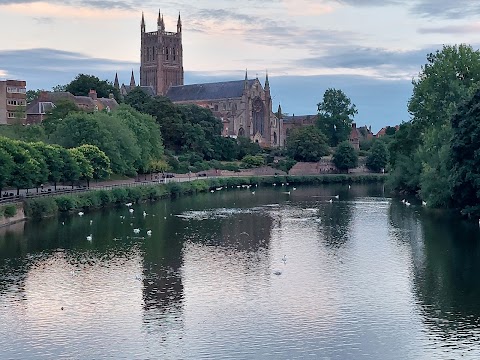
131 211
80 213
144 213
330 201
91 222
294 188
128 204
337 196
149 232
424 203
253 192
136 231
89 237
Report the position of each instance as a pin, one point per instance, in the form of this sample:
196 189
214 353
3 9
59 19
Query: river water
236 275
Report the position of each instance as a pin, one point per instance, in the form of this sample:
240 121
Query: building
161 57
125 89
243 106
38 108
295 121
13 102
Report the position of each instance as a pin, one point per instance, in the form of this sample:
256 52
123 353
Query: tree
247 147
40 176
55 115
6 168
377 158
335 116
33 95
26 168
465 151
253 160
53 160
345 157
82 84
98 160
85 170
307 144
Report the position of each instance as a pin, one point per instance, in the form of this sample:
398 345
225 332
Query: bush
253 160
10 211
40 207
120 195
66 202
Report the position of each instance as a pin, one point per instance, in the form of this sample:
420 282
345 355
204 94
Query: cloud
66 7
44 68
44 20
451 29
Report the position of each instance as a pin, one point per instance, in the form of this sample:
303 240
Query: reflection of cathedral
244 106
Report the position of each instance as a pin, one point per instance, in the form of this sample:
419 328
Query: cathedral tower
161 57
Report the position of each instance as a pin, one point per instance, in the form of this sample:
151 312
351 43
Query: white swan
149 232
91 222
407 203
128 204
80 213
89 237
136 231
131 211
253 192
337 196
294 188
144 213
424 203
330 201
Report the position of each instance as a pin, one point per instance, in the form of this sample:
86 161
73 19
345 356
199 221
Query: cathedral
243 106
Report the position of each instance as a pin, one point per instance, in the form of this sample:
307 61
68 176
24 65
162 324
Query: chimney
354 125
93 94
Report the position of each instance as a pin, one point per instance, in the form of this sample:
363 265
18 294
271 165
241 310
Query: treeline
436 155
25 165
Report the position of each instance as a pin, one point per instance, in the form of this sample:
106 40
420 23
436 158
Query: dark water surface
365 277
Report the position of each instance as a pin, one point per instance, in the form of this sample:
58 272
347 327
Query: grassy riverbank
95 199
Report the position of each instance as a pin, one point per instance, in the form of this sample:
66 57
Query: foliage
82 84
6 168
307 144
465 151
99 162
335 116
284 164
32 95
10 211
253 160
23 132
405 176
377 158
55 115
345 157
85 169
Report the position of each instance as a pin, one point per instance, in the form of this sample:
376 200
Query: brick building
13 102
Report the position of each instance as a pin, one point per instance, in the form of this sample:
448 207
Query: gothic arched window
241 132
258 114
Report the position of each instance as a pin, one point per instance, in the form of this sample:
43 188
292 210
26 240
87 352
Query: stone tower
161 57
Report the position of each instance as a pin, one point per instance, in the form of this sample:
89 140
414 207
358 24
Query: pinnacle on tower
159 19
246 80
179 24
163 24
279 110
115 83
267 83
142 25
132 80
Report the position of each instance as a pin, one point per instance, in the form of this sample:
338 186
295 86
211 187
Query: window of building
16 90
11 115
15 102
174 54
216 107
166 53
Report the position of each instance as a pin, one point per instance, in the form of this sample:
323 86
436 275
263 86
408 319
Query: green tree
377 158
85 169
41 175
465 151
98 160
253 160
247 147
33 95
107 132
82 84
26 168
345 157
55 115
53 160
70 168
6 168
335 116
307 144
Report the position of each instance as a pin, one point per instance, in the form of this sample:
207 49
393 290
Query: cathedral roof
208 91
145 88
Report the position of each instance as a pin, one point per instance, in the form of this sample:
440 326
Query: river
240 275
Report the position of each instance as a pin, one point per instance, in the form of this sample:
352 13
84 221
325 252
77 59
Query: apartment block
13 102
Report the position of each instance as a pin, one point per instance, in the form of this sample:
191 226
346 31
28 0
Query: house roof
208 91
149 90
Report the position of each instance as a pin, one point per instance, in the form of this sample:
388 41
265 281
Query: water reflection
364 277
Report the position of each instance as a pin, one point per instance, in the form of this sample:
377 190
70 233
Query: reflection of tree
335 223
446 263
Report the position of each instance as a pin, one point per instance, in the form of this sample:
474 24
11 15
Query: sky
370 49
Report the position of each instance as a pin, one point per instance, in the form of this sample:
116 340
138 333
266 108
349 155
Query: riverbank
11 214
38 208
